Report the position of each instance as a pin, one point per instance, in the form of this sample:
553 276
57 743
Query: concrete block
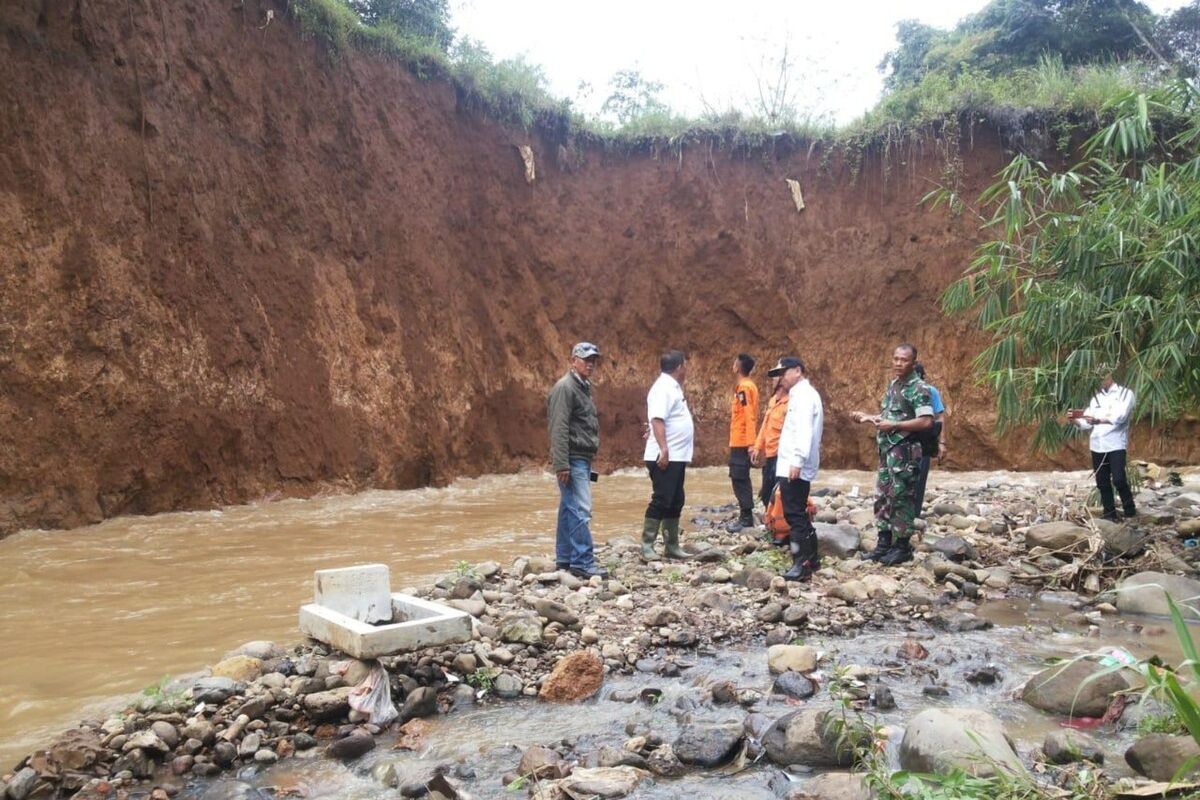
416 624
362 593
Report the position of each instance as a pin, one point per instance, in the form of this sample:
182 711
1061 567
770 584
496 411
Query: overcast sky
707 51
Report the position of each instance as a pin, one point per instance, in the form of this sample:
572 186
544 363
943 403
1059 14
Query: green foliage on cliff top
987 68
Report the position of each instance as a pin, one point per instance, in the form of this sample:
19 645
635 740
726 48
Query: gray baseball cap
585 350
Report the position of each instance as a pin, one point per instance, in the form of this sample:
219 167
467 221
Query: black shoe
587 574
802 569
1111 516
746 519
900 552
1130 513
735 526
881 549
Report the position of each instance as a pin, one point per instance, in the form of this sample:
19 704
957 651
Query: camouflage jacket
906 398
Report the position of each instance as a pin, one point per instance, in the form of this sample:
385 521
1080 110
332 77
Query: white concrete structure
354 611
363 593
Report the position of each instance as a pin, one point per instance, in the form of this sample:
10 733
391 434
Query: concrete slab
416 624
362 593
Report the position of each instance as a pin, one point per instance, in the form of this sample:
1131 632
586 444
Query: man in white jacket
797 464
1107 417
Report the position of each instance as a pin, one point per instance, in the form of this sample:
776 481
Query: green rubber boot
649 534
671 537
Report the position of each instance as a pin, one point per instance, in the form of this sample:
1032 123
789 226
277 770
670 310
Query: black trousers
921 479
1110 471
768 481
795 510
739 476
666 495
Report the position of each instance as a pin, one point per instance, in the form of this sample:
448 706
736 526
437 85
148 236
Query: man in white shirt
668 452
1107 417
798 461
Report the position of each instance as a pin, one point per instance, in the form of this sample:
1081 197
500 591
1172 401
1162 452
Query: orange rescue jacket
767 443
743 415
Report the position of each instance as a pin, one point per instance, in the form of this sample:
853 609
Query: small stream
483 743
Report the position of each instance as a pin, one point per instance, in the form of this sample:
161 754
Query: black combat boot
900 552
881 548
802 569
805 561
746 518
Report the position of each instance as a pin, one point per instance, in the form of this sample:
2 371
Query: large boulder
1067 746
707 745
351 747
791 658
555 611
954 547
21 785
521 628
833 786
1143 593
1057 536
420 702
837 541
262 650
575 677
941 739
542 763
1121 540
146 740
232 790
812 737
214 690
329 705
851 591
1074 689
76 749
238 668
604 782
1159 756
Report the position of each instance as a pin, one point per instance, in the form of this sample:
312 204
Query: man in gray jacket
574 441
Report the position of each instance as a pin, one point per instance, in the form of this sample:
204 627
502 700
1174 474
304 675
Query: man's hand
885 426
645 431
663 459
859 416
941 450
794 474
564 476
755 458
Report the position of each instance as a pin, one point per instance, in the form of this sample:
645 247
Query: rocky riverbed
710 676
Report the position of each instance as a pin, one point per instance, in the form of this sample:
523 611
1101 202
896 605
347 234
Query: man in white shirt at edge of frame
1107 417
796 468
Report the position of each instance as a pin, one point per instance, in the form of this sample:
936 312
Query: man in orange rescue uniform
765 451
743 423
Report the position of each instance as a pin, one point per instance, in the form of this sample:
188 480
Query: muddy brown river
91 615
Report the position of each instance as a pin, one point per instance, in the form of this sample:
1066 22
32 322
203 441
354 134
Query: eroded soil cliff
236 265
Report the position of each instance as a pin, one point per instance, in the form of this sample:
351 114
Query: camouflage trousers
896 490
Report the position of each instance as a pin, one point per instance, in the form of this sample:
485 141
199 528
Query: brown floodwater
91 615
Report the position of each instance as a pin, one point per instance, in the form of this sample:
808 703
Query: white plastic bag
373 697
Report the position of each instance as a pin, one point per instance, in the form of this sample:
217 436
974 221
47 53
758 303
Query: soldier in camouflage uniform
906 412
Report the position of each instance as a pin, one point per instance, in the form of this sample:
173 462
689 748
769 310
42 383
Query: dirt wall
236 266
